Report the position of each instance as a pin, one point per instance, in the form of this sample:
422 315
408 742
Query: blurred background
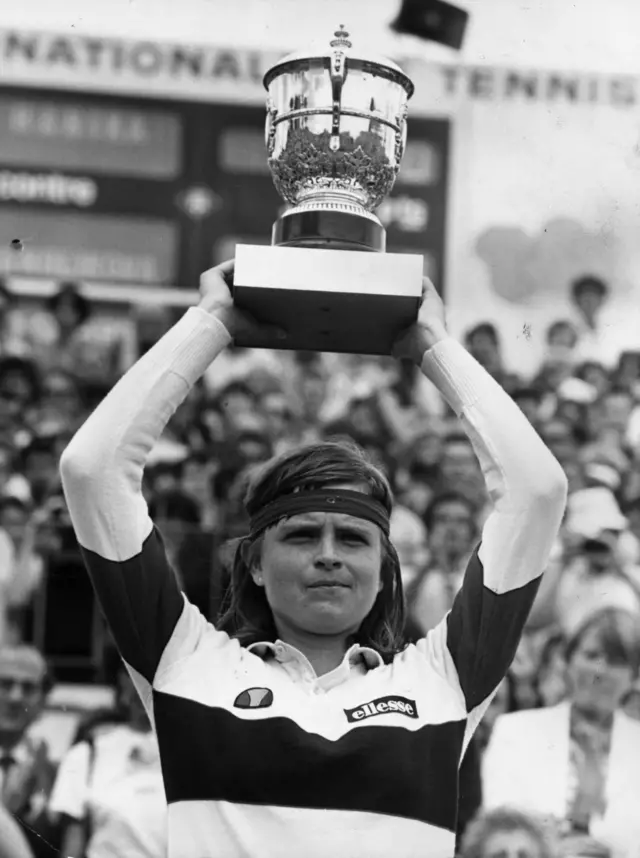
132 159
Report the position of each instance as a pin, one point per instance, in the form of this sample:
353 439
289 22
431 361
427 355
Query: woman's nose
328 555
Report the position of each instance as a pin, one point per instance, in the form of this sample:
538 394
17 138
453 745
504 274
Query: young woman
300 725
579 761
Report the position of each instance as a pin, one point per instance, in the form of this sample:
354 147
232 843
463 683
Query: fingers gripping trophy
336 130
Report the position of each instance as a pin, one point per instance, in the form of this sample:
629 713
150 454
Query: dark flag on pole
433 20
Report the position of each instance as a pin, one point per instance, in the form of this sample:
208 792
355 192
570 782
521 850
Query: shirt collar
284 652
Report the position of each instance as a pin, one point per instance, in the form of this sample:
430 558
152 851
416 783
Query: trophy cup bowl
335 134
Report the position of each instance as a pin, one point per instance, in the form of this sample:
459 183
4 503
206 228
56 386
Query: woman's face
595 684
452 528
321 572
428 449
196 481
277 413
67 313
512 844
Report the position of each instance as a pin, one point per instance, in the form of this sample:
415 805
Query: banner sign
231 74
514 182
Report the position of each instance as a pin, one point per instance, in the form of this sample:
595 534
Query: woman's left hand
428 329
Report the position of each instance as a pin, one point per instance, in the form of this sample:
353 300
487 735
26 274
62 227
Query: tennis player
300 725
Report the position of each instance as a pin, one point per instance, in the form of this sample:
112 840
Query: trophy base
340 301
329 228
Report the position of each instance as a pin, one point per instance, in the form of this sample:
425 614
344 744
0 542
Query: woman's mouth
328 585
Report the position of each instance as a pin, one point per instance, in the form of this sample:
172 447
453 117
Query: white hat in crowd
592 511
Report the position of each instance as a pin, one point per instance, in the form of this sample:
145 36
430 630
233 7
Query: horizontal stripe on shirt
273 761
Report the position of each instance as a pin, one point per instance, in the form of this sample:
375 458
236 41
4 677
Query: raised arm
528 491
102 470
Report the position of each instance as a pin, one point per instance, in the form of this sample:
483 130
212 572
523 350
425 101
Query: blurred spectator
551 377
409 538
151 322
237 400
39 466
13 484
109 791
561 339
530 400
460 470
561 437
238 364
551 679
67 338
627 373
451 534
594 573
594 374
629 543
609 418
571 404
483 342
26 770
251 439
21 562
280 420
507 833
503 701
12 340
19 390
578 762
98 720
61 408
597 338
196 481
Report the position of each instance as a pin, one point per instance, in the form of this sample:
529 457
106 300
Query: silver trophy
336 130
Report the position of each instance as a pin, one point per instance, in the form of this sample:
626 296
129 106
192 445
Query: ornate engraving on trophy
360 169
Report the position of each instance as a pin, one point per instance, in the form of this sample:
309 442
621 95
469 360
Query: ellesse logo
383 706
254 698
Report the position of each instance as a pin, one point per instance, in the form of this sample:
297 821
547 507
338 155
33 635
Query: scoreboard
136 191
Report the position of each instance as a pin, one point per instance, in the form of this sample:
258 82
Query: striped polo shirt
262 758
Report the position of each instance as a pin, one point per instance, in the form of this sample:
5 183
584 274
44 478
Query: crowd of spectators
582 634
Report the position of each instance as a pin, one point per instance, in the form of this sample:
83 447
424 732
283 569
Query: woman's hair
246 614
504 819
618 634
555 642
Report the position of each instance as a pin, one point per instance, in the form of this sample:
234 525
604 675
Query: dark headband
343 501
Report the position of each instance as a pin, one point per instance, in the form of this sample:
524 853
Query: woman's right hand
216 299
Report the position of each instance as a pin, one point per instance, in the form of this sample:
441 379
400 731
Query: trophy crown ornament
341 39
335 134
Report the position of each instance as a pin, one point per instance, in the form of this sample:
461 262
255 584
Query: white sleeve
69 794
